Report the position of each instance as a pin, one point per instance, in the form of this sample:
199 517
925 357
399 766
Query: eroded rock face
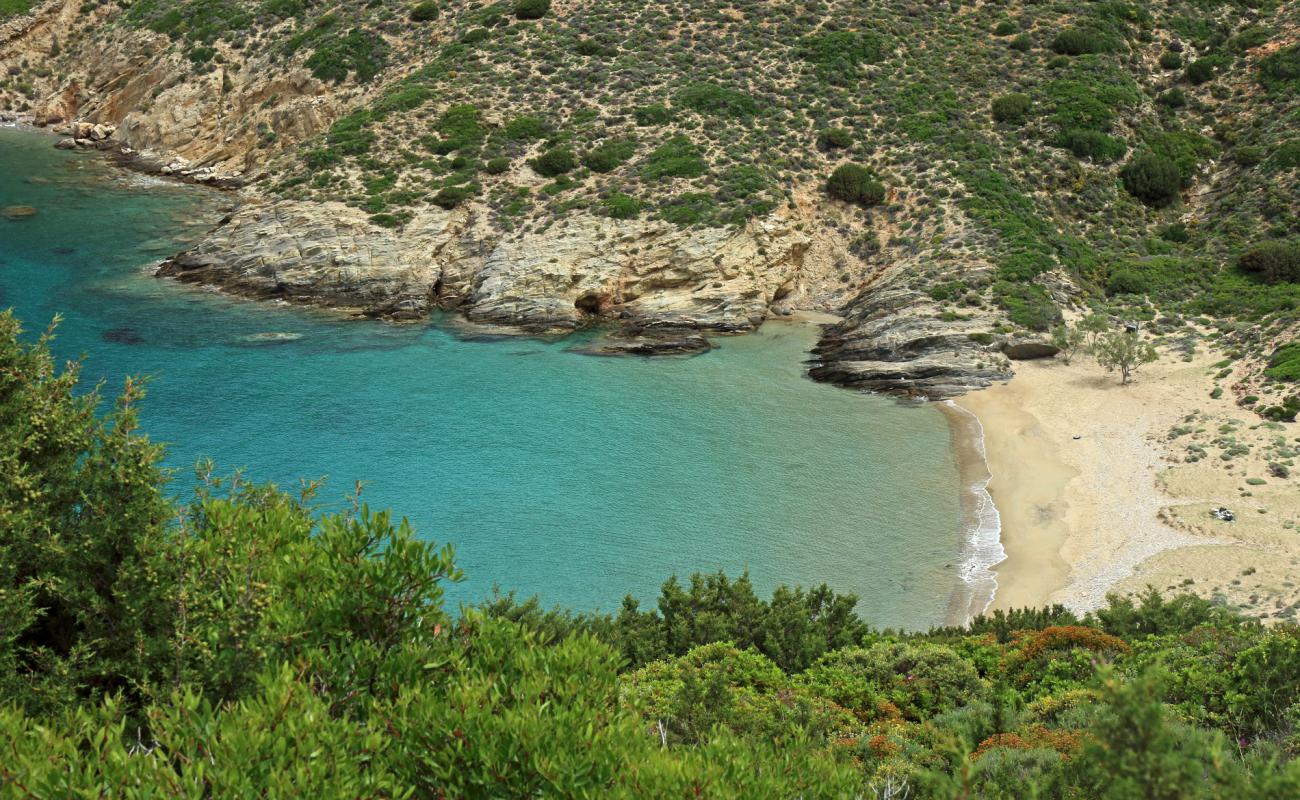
648 273
892 339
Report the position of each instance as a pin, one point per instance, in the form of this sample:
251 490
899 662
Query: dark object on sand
1223 514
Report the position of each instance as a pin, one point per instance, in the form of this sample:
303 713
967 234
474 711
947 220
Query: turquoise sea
573 477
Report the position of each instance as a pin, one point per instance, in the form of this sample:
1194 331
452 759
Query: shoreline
981 533
1099 488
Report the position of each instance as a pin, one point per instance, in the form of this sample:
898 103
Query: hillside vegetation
1017 159
243 644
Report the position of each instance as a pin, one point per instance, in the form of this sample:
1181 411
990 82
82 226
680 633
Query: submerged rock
122 335
17 212
651 342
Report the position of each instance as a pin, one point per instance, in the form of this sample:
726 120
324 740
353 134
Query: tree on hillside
1123 351
1093 326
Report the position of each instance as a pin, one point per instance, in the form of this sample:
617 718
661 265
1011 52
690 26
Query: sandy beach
1102 487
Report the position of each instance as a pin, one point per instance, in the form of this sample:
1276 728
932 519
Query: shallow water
574 477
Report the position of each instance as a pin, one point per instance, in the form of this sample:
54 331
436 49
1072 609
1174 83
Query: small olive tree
1068 339
1123 351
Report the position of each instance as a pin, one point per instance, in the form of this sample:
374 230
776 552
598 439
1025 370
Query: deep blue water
573 477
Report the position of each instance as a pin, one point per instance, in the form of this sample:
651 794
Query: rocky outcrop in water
646 273
893 339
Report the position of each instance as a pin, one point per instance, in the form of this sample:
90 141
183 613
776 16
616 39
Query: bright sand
1086 472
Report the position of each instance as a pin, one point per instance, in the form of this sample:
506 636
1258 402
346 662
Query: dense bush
1027 305
620 206
1022 43
553 162
1081 41
426 11
676 158
531 9
717 100
1004 28
1173 98
834 139
854 183
607 156
1287 155
1095 145
1012 109
1285 363
1249 155
360 53
1280 71
1153 180
1200 71
1170 60
525 129
1273 261
656 114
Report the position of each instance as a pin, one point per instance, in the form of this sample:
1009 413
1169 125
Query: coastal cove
574 477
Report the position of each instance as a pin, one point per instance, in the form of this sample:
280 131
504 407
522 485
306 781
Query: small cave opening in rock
589 303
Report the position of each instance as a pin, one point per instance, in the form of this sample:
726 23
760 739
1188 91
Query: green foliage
1201 71
1287 155
608 156
1027 305
621 206
1158 276
1284 364
1081 41
1152 179
459 127
1171 60
1273 261
1012 109
1123 352
554 162
716 100
655 114
676 158
689 208
834 139
1022 43
449 197
836 56
1095 145
360 53
1004 28
1280 71
854 183
10 8
531 9
426 11
525 129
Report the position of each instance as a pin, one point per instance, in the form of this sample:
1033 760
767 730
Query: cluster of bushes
1273 261
241 644
854 183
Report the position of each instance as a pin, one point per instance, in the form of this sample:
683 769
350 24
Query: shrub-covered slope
1007 160
242 645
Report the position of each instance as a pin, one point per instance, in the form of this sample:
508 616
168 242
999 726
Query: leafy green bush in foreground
243 645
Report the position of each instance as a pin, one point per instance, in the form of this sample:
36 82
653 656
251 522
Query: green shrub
449 197
1170 60
607 156
1287 155
621 206
1004 28
1184 149
531 9
1158 276
1095 145
1200 71
426 11
497 166
525 128
688 209
654 114
1173 98
460 129
1249 155
360 53
1012 109
837 55
554 162
1081 41
1022 43
1027 305
854 183
1153 180
676 158
1280 72
716 100
1273 261
834 139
